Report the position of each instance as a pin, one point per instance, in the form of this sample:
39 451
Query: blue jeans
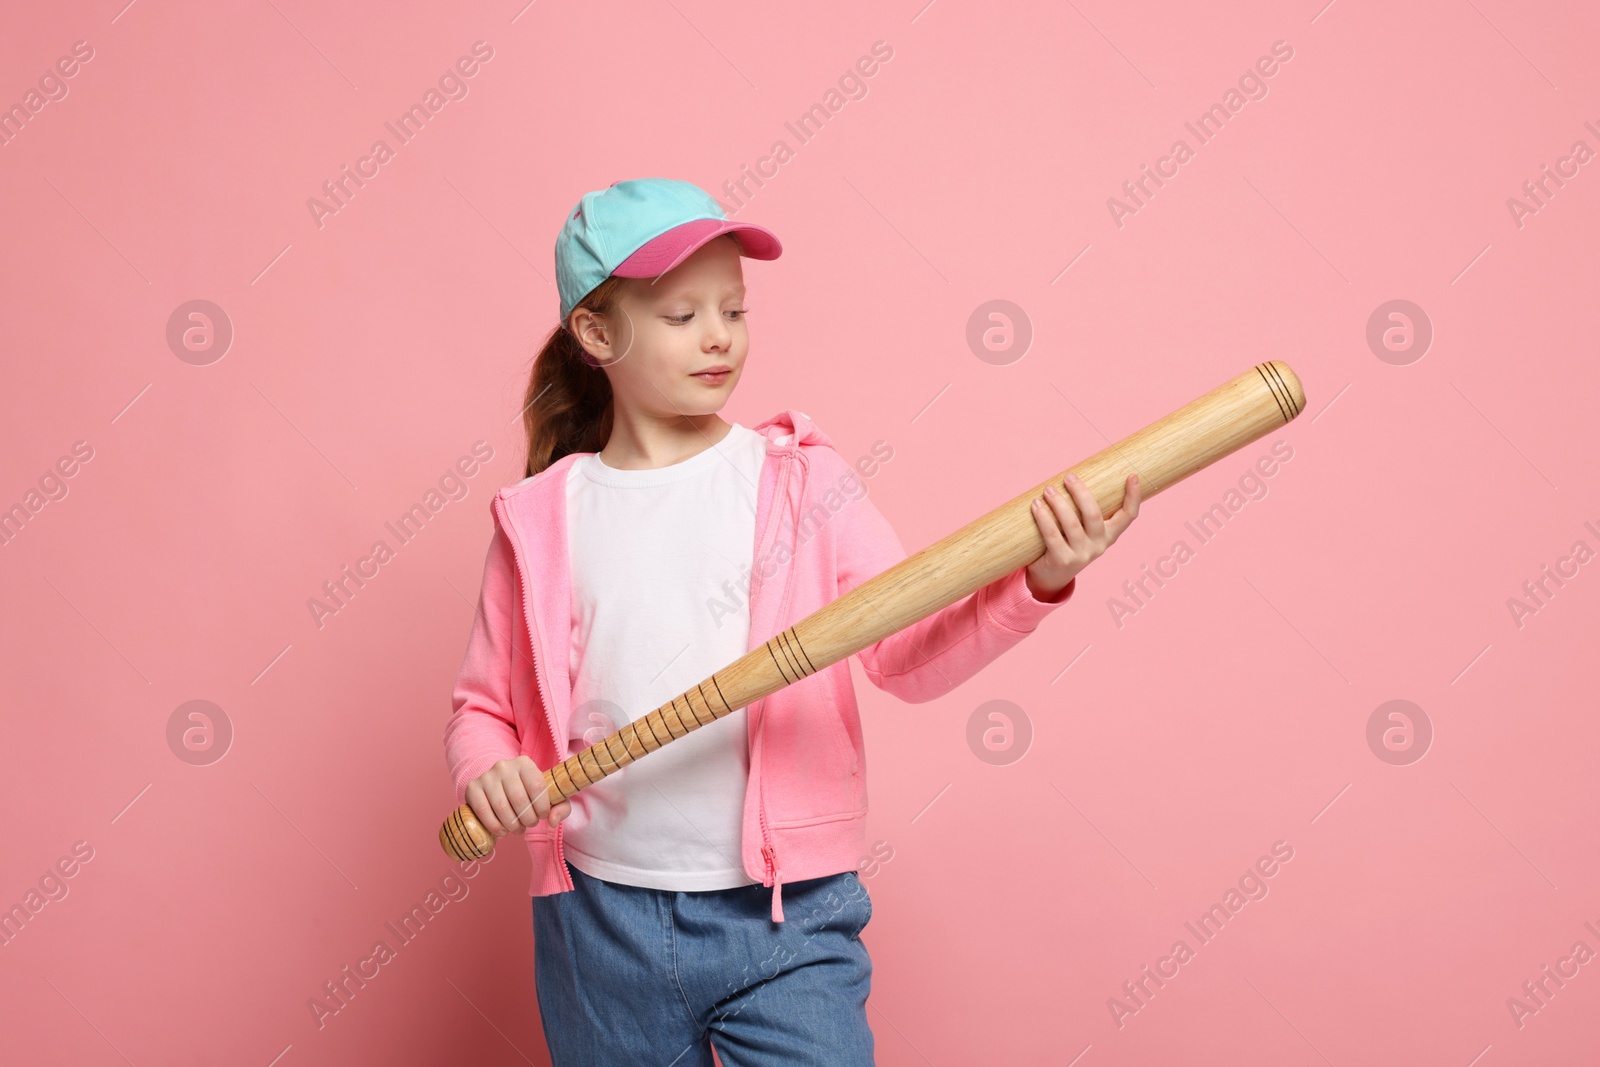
650 977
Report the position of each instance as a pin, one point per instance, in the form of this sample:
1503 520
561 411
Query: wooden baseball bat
1162 454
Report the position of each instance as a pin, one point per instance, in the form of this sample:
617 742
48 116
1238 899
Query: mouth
715 376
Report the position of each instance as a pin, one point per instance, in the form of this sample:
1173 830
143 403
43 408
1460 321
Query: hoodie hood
792 427
781 429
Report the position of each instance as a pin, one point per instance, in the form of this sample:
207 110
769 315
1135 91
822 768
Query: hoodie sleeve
935 654
481 730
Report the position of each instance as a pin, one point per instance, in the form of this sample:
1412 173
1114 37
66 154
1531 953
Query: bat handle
463 836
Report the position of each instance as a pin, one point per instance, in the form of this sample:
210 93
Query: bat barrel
1162 454
1255 403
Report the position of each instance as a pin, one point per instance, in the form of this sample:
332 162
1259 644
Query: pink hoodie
806 803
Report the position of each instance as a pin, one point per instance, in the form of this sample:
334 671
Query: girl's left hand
1071 545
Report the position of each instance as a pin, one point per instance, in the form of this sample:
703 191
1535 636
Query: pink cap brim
661 254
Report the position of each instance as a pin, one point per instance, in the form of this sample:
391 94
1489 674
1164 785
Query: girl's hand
1071 545
500 798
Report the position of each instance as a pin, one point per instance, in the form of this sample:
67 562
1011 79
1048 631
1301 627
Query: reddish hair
567 406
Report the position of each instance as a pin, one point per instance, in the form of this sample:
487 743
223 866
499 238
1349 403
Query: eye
679 320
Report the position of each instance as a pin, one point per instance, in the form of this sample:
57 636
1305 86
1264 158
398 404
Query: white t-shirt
661 560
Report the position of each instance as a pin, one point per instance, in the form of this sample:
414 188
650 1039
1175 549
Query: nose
720 336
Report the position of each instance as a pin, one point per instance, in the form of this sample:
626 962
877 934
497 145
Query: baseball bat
1162 454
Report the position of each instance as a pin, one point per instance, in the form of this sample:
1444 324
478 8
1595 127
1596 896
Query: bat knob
463 836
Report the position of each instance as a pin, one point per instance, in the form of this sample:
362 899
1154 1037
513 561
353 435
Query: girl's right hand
511 797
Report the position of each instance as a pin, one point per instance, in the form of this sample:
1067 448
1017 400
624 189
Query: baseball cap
640 228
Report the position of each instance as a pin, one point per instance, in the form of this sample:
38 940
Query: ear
594 333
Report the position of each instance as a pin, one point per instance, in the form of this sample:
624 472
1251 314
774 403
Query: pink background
1228 714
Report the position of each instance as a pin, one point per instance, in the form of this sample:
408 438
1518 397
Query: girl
651 544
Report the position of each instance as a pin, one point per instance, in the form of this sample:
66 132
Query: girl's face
665 334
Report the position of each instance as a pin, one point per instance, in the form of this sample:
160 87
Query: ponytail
568 405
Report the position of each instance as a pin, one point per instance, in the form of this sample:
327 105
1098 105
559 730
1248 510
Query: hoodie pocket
806 746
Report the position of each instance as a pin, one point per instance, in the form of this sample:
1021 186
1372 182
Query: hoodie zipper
768 850
774 875
531 621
